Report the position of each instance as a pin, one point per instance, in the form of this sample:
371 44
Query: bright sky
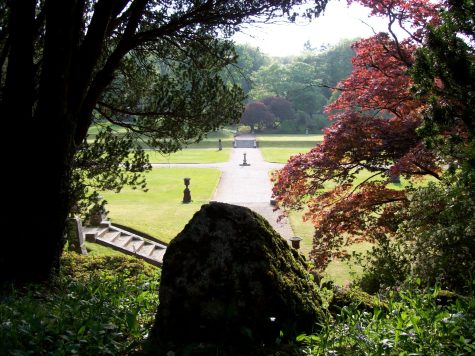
338 22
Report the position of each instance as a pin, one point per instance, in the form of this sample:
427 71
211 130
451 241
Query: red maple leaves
345 182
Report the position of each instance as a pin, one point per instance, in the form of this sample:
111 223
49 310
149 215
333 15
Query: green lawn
279 148
281 155
288 141
95 249
226 136
160 212
208 155
341 272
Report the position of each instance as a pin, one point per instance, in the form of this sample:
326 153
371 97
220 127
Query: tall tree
444 72
258 115
63 59
249 60
440 231
280 107
374 130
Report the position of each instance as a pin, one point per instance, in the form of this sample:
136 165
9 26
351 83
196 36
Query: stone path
247 186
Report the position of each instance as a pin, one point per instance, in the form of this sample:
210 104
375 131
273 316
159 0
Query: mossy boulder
343 297
230 281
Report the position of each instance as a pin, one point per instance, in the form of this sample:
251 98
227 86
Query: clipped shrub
81 267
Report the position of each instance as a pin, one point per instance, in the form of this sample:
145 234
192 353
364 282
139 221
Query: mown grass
207 155
287 141
226 136
160 211
279 148
281 155
340 272
94 249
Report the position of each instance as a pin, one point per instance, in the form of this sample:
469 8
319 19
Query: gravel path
247 186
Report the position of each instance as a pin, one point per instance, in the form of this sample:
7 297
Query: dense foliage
305 81
408 322
97 305
405 111
153 67
105 305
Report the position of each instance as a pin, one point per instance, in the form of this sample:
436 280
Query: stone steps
129 243
243 143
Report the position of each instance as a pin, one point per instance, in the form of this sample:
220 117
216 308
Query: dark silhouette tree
280 107
257 115
66 62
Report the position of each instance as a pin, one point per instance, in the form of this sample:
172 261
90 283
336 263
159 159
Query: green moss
343 297
80 267
229 271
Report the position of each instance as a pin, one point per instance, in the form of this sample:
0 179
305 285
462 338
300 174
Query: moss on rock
228 279
343 297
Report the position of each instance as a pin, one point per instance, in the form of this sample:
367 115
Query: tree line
288 94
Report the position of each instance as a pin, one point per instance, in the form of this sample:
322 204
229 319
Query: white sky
338 22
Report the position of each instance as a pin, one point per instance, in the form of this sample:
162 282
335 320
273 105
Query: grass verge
279 148
208 155
160 212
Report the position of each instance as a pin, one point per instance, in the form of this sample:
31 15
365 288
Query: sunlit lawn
191 156
99 250
279 148
288 141
160 212
281 155
341 272
210 141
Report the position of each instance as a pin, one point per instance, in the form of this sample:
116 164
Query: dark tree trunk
54 127
41 197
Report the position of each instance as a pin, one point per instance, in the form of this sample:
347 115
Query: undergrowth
405 322
106 306
95 306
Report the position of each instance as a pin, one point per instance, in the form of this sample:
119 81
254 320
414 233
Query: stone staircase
125 241
245 141
245 144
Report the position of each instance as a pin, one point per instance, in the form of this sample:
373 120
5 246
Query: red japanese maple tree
374 130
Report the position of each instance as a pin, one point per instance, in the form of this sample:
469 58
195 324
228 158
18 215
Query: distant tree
269 80
280 107
249 60
257 115
306 81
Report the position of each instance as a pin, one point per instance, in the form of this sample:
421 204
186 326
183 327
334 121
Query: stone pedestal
187 192
76 236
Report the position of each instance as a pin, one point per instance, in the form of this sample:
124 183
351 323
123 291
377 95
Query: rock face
229 280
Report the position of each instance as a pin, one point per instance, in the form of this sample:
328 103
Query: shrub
412 322
440 234
385 265
95 306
